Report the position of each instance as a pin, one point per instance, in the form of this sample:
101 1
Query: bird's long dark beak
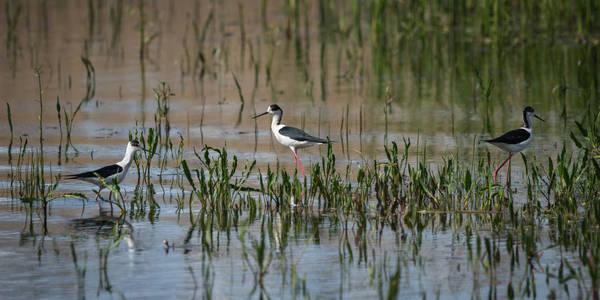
143 149
260 115
539 118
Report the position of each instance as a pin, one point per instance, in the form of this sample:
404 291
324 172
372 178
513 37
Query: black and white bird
112 173
516 140
290 137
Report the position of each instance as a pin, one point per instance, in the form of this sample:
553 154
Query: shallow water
436 100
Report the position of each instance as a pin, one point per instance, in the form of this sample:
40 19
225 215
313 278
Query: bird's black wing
102 172
300 135
512 137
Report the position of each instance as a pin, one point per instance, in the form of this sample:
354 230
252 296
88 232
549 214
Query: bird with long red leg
515 140
290 137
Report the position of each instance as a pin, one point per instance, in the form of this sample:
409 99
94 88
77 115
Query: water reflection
103 227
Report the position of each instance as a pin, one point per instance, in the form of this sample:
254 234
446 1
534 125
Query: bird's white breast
514 148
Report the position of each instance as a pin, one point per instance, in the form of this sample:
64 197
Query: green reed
29 171
145 189
215 185
162 94
38 74
69 119
69 122
28 176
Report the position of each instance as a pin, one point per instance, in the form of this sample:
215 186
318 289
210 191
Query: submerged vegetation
378 217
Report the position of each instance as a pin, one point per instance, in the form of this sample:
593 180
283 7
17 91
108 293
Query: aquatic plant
162 94
28 176
216 187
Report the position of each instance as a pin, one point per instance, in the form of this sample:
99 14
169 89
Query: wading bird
112 173
515 140
290 137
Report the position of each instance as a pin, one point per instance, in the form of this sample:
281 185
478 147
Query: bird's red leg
508 168
500 167
301 169
298 160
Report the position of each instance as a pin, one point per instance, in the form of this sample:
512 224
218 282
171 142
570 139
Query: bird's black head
135 145
528 112
274 108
